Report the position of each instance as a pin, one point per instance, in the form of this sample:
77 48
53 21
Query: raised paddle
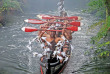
35 21
32 29
43 16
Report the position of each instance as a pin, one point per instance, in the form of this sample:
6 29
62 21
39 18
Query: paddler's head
63 13
52 33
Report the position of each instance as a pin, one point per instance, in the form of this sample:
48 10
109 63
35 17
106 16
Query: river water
16 58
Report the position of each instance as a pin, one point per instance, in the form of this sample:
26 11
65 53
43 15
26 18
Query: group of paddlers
56 41
54 35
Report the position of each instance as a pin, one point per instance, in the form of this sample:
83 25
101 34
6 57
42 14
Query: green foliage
104 53
97 24
0 24
101 51
10 5
97 7
103 30
100 40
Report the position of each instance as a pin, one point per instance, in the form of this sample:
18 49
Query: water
15 57
51 5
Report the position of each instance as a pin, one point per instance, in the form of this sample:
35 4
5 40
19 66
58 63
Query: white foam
82 24
26 20
23 28
79 28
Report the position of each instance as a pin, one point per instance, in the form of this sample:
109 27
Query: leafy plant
97 7
10 5
100 40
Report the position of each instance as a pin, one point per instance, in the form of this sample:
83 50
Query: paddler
50 39
62 55
63 14
67 33
61 47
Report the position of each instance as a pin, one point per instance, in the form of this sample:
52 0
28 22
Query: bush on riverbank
10 7
101 41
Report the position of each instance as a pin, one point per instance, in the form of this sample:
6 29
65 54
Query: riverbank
10 8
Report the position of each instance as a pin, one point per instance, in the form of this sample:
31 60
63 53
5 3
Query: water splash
29 46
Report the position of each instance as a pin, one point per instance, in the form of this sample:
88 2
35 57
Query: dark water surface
16 58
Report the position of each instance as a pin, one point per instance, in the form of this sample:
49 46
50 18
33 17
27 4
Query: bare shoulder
58 39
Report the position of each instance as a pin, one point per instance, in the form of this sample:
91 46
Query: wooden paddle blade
29 29
73 17
74 28
76 23
43 16
34 21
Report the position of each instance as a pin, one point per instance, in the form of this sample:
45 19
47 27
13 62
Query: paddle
43 16
35 21
32 29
